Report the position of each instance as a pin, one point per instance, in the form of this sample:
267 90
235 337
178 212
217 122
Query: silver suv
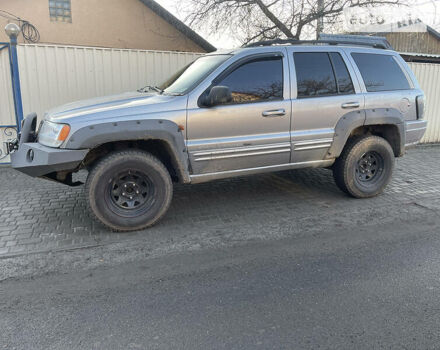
268 107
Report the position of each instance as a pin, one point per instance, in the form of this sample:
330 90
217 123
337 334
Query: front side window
260 79
380 72
60 11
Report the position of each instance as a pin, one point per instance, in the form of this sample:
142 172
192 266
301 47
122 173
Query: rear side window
321 74
314 74
380 72
343 79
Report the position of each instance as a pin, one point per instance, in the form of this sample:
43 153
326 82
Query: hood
125 104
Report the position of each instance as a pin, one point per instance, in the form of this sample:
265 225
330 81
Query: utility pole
12 30
320 20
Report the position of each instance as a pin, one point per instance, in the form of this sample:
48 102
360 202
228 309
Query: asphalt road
340 287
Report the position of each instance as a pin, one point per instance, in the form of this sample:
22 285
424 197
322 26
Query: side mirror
218 95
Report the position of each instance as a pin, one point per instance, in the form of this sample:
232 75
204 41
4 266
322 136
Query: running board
199 178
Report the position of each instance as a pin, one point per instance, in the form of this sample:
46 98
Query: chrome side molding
312 144
242 151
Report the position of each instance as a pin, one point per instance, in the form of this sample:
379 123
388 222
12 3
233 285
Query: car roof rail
371 40
378 44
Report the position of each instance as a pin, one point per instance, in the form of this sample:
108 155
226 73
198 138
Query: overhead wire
28 30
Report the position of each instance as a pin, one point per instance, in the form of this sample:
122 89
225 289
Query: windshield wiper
149 88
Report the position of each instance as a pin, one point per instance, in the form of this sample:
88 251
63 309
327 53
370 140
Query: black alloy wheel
131 192
369 167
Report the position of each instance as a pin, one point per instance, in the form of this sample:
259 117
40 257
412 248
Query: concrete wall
109 23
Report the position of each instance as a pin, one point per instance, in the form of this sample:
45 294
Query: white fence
428 75
53 75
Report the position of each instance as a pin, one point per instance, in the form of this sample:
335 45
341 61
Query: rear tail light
420 104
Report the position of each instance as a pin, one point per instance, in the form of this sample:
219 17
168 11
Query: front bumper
36 160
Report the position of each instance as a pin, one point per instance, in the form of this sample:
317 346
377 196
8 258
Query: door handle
350 105
274 113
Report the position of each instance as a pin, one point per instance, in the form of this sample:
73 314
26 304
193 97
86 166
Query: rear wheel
365 166
129 190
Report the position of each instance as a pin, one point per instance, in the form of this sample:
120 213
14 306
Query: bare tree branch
252 20
282 27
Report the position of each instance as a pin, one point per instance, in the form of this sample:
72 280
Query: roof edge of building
179 25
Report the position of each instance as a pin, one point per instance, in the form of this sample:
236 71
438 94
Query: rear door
324 88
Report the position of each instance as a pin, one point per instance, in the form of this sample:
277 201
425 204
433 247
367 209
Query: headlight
53 134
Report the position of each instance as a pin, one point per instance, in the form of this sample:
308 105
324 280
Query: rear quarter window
380 72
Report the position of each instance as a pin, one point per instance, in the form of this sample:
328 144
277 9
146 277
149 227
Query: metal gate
8 123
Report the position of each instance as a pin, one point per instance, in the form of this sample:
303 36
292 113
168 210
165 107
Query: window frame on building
60 11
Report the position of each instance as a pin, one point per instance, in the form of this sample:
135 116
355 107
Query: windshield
189 76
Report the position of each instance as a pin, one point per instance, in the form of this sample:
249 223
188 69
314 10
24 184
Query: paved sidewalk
39 216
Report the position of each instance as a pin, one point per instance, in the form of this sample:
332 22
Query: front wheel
129 190
365 166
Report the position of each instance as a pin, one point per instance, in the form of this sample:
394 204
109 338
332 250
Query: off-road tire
141 168
348 170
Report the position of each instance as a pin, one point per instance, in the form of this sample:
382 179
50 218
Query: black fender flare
354 119
90 137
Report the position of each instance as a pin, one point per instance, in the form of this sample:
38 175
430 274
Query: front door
251 131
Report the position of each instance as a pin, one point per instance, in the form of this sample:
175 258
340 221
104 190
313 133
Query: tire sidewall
102 176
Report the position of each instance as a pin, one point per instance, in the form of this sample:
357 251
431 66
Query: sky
427 10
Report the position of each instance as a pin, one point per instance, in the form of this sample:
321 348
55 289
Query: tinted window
314 74
343 80
257 80
380 72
